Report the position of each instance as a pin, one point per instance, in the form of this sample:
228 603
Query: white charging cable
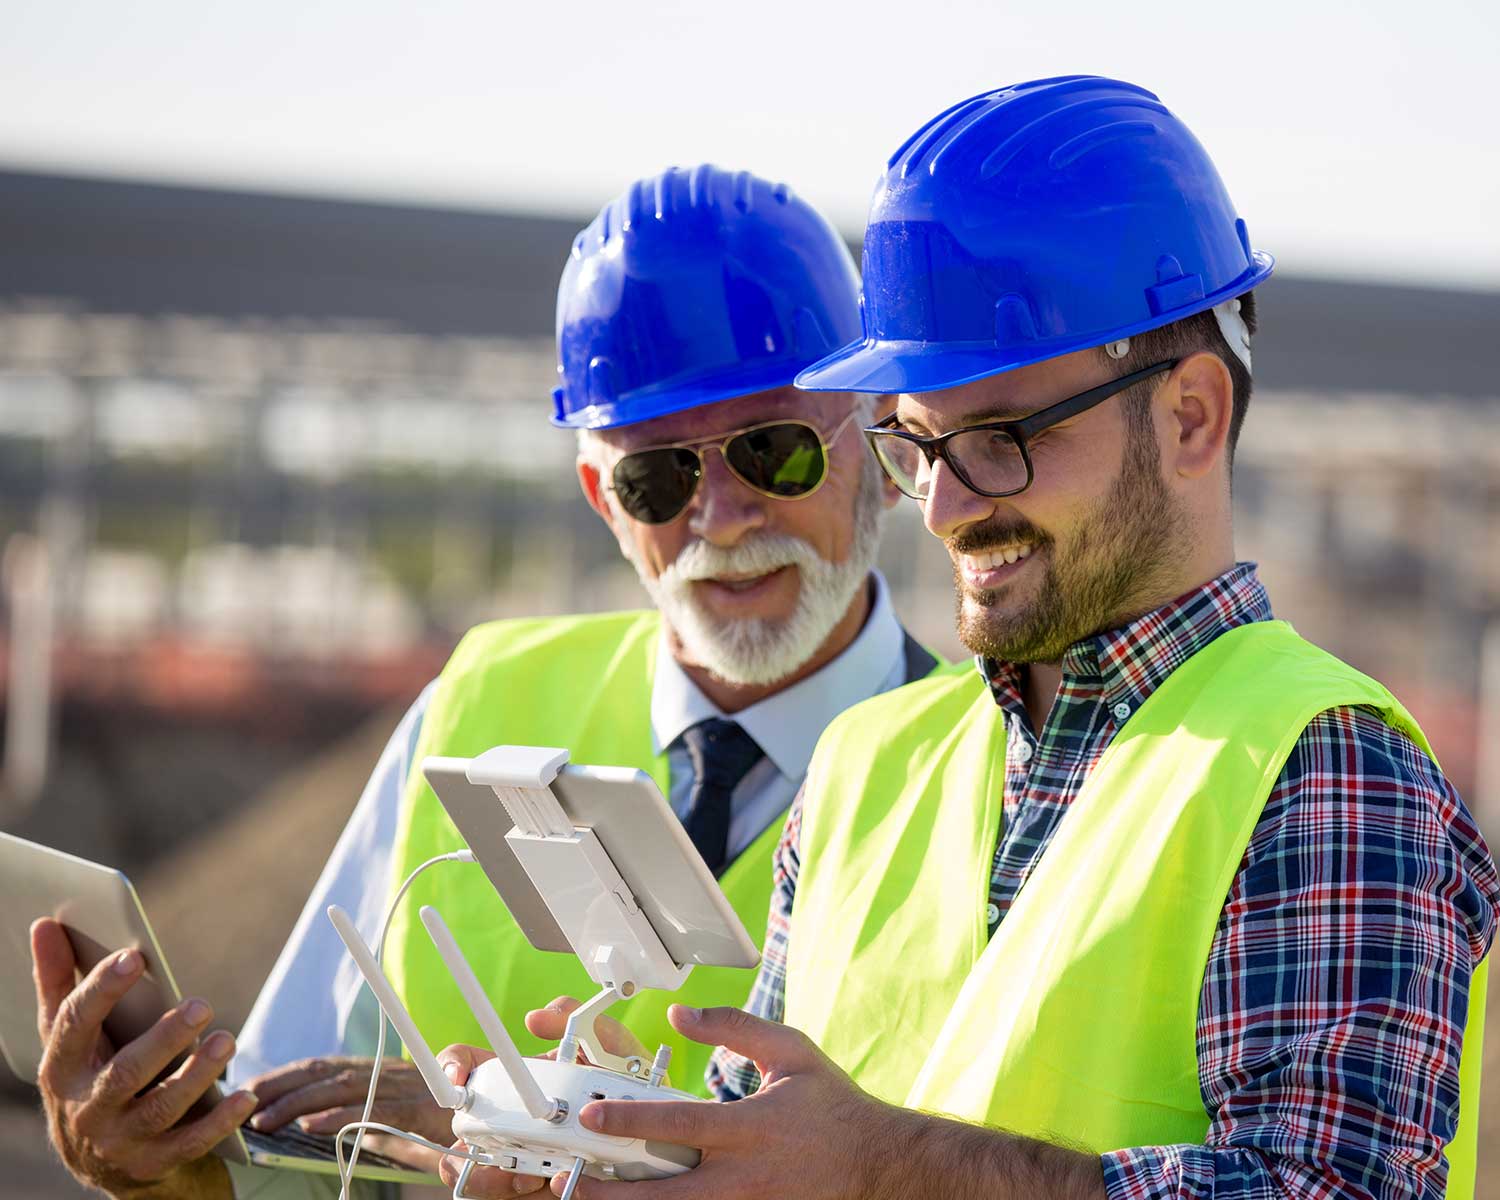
364 1122
474 1157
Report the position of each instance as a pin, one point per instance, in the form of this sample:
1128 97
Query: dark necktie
720 753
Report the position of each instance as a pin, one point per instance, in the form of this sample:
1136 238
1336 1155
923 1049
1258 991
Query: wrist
889 1145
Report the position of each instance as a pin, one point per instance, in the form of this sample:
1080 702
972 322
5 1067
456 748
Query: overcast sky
1359 138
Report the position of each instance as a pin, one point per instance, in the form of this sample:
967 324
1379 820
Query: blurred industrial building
263 459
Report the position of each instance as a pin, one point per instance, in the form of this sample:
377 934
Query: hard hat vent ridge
693 286
1032 221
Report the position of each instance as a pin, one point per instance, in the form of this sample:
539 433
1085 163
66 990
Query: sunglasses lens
786 459
654 486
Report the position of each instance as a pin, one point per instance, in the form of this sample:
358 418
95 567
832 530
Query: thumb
54 970
458 1061
769 1045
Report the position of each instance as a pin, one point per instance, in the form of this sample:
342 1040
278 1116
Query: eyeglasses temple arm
1073 405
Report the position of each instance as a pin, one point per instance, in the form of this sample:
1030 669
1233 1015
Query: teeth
990 559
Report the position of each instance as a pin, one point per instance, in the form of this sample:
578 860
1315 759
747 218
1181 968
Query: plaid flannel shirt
1334 1000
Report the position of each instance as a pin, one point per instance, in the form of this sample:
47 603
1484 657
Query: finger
271 1085
54 970
138 1062
346 1088
693 1185
80 1016
766 1043
549 1022
199 1137
330 1120
681 1122
161 1107
458 1061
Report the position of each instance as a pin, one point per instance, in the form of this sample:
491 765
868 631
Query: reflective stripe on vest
1077 1021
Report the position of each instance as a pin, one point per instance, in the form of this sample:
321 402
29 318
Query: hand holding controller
556 871
495 1124
522 1114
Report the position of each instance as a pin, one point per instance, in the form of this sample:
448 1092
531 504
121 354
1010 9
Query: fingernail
528 1183
689 1013
221 1045
246 1099
126 963
196 1012
451 1071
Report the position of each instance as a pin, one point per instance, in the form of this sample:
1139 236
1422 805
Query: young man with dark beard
1161 900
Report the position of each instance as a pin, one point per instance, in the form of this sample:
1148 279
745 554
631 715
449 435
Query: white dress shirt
314 1002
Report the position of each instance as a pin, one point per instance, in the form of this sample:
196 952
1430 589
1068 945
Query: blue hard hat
1033 221
695 286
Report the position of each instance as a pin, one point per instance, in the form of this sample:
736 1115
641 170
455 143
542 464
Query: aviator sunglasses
784 460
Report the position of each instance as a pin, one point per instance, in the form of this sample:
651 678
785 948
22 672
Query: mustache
997 533
757 555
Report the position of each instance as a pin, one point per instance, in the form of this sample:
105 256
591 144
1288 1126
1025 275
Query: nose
950 506
723 510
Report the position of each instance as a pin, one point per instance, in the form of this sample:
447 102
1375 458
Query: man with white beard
752 514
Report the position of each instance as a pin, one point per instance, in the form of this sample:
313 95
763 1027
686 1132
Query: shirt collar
1129 663
787 724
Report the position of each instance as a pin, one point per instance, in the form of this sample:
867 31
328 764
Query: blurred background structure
265 456
263 459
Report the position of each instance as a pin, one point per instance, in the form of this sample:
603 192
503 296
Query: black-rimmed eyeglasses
991 459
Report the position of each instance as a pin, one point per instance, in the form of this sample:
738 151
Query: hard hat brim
677 395
872 365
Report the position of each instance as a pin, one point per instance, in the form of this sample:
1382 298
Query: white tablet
644 839
101 912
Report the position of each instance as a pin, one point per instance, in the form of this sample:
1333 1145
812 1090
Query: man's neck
1040 681
1039 685
734 697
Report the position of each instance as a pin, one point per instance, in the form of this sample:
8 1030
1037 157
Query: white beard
756 650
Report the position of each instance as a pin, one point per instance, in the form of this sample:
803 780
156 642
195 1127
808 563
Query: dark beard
1122 554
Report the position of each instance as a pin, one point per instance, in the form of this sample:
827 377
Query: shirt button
1023 751
1121 711
992 912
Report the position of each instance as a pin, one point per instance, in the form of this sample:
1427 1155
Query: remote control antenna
444 1090
532 1097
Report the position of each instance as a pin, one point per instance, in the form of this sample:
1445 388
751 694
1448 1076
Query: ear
591 480
1202 405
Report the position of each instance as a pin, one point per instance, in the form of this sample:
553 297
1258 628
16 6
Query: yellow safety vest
583 683
1077 1021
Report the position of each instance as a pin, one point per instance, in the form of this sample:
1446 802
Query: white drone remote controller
521 1114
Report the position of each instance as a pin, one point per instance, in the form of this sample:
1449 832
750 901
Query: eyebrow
996 412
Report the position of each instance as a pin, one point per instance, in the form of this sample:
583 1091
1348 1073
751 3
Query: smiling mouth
743 583
992 567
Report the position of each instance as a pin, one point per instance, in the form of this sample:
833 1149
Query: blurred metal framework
312 431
